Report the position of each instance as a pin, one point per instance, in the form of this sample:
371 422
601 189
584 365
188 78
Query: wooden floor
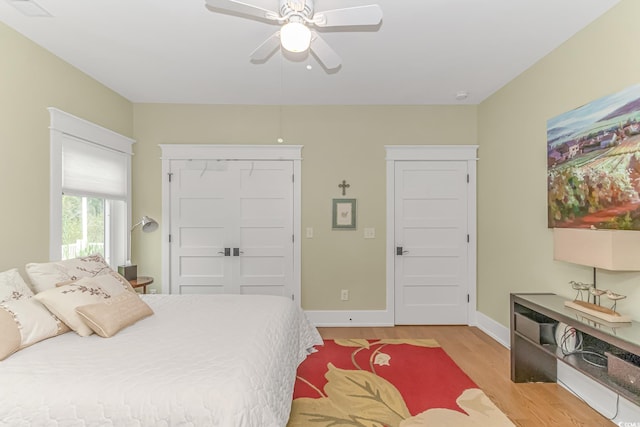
488 364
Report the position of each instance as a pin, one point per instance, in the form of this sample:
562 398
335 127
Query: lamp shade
615 250
295 37
148 224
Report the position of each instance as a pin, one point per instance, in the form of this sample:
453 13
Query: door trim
468 153
232 152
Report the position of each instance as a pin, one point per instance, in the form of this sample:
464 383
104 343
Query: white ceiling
424 52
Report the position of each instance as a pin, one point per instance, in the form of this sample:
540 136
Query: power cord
571 342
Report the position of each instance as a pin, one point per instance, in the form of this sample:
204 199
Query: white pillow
62 301
13 286
24 322
112 283
46 275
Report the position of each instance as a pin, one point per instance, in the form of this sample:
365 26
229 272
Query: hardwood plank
487 364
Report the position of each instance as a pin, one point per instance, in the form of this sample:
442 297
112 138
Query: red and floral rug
388 383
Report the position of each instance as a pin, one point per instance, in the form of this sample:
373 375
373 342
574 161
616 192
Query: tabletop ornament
596 310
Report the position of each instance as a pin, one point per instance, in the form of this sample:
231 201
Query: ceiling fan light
295 37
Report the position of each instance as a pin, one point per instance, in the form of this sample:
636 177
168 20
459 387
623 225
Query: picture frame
344 214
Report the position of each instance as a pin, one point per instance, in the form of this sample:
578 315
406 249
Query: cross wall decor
344 187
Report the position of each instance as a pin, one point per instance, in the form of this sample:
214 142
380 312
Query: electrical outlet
309 232
344 295
369 233
152 291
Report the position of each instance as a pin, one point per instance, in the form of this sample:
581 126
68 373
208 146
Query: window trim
61 124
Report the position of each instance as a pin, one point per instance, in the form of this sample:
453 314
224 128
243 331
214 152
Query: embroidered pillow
112 283
24 322
44 276
111 316
62 301
13 286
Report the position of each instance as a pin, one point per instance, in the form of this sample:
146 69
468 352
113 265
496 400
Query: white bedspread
201 360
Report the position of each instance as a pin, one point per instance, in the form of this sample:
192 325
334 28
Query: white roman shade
93 170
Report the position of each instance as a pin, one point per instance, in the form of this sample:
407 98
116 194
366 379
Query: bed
199 360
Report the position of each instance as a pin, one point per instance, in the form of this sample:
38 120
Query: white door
231 227
431 242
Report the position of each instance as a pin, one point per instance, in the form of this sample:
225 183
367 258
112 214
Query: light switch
369 233
309 232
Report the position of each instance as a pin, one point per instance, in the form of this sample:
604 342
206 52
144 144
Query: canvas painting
593 164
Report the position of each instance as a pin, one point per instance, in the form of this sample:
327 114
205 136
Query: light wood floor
488 364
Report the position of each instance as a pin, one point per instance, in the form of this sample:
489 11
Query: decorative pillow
63 301
112 283
24 322
44 276
111 316
13 287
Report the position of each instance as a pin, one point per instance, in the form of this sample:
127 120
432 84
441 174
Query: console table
534 353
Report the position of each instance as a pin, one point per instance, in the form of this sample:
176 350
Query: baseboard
355 318
494 329
622 412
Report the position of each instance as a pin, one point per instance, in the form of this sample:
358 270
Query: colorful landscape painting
593 164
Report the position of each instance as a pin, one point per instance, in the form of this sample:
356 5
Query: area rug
388 383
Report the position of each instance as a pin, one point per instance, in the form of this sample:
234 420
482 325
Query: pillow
111 316
112 283
13 287
44 276
62 302
24 322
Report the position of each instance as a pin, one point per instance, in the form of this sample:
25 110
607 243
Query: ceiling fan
296 16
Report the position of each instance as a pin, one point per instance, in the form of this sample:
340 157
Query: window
89 190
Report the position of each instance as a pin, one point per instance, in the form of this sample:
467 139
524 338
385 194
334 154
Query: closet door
231 227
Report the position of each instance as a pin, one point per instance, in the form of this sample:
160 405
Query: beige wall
515 247
340 142
31 79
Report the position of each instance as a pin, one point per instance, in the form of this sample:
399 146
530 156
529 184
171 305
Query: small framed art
344 214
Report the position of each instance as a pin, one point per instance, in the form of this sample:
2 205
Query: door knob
400 251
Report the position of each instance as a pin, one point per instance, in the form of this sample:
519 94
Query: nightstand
141 282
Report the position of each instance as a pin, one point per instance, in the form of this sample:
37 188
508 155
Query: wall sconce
130 271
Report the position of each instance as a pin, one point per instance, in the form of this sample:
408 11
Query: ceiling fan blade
266 49
323 52
242 8
359 15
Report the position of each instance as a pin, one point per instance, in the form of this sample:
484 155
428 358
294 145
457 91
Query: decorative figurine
614 297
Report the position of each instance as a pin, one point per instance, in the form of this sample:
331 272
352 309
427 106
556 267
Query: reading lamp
614 250
130 271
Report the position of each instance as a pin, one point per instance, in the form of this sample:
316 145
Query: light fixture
148 224
461 95
29 8
295 37
128 270
614 250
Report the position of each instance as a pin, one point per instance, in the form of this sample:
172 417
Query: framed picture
344 214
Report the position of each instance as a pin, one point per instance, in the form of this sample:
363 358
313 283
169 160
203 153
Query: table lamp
128 270
614 250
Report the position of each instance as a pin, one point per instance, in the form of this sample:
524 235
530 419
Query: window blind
93 170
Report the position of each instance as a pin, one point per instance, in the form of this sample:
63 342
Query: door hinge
170 175
169 238
467 178
293 178
293 297
468 298
293 238
467 238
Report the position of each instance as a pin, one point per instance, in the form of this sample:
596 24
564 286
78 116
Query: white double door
231 227
431 238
